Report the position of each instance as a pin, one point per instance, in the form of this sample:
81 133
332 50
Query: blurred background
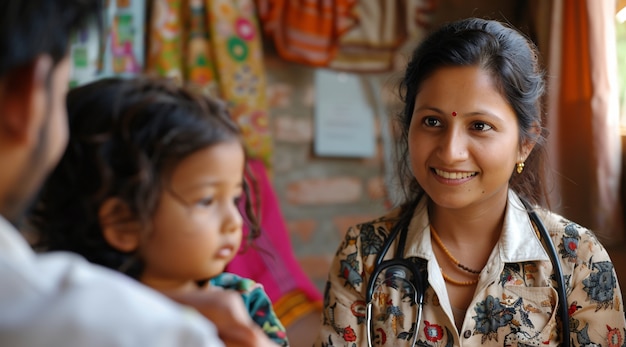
314 86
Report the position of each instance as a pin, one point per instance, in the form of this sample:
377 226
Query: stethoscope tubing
546 240
422 286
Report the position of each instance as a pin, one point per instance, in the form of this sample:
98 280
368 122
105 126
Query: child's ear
120 226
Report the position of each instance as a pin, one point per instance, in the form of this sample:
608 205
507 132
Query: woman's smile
453 178
456 176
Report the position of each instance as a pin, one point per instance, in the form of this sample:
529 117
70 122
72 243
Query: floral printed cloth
515 300
258 304
215 46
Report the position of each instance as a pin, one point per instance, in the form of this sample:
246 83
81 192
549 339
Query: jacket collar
518 241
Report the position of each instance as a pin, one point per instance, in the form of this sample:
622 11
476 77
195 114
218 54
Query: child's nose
233 221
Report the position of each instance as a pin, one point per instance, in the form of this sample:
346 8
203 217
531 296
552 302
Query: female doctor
470 257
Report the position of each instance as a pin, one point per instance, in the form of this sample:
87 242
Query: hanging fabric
351 35
126 39
215 46
306 31
165 39
116 50
200 64
382 28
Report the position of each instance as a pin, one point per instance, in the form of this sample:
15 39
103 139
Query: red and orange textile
306 31
351 35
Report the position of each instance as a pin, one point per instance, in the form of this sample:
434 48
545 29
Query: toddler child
150 185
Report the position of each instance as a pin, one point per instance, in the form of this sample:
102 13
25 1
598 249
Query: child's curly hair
126 138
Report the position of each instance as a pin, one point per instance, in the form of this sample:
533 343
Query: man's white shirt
59 299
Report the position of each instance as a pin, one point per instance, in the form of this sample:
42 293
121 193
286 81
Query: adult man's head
34 76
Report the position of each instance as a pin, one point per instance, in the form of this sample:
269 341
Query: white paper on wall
344 120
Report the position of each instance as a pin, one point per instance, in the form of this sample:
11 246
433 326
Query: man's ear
120 226
23 100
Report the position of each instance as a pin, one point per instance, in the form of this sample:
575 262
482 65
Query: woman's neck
468 225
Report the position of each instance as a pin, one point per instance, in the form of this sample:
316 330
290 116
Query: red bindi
453 114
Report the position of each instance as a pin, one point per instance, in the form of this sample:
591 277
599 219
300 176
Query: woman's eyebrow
429 108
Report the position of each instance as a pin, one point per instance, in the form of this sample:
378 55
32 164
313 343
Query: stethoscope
420 281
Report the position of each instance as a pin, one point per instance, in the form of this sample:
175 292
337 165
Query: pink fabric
272 261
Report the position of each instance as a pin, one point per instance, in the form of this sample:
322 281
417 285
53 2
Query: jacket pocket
534 321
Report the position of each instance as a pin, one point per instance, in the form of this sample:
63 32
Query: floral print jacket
515 303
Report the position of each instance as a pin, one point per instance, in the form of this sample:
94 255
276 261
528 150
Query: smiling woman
466 259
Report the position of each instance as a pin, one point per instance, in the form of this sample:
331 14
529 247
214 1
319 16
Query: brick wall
320 197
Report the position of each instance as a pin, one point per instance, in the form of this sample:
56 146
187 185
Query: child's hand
225 309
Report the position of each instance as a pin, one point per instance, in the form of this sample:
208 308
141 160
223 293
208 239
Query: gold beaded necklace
454 261
455 282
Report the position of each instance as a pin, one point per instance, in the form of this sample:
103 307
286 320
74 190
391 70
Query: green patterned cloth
258 304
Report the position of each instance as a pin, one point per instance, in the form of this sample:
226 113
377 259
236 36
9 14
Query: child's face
197 224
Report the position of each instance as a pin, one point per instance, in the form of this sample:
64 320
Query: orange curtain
583 116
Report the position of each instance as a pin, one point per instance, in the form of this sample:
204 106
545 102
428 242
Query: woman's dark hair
512 60
126 138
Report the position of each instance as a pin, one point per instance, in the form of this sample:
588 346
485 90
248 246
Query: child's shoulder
252 293
231 281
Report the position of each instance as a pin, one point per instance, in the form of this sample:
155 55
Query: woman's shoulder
571 239
382 224
557 224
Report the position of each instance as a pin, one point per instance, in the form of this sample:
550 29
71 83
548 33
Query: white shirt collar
12 244
518 241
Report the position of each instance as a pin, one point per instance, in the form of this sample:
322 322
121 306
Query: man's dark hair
30 28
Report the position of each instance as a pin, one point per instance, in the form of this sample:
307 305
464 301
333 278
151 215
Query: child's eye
432 122
237 200
206 201
480 126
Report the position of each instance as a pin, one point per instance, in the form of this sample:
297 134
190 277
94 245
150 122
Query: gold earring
519 167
